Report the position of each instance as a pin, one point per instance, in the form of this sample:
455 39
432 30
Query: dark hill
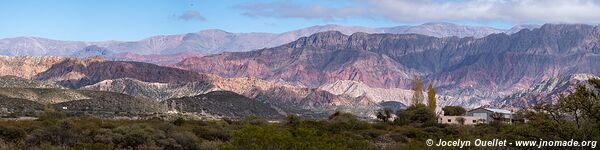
111 103
19 107
223 104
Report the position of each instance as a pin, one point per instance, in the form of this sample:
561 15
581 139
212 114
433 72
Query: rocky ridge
473 71
27 66
215 41
75 73
546 91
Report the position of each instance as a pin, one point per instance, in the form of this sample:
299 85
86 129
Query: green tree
417 91
415 114
454 111
422 114
582 103
384 114
431 101
402 117
595 82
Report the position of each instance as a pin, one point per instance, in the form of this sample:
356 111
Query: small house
462 120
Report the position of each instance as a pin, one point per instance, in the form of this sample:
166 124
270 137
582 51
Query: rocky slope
156 91
77 101
356 89
43 96
75 73
475 71
382 96
11 107
546 91
27 66
223 104
310 61
109 103
161 83
18 82
285 97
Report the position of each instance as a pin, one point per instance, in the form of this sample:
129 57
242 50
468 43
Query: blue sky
87 20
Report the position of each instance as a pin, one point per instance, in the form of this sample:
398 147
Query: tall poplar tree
431 100
417 91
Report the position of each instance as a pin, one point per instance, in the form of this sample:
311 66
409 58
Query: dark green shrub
212 134
187 140
179 122
11 134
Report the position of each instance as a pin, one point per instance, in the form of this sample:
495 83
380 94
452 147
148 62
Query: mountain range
309 72
65 83
474 71
214 41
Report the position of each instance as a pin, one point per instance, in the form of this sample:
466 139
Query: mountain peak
327 39
96 58
328 34
439 23
213 31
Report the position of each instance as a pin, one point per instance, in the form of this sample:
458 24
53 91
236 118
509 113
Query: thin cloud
191 15
291 10
515 11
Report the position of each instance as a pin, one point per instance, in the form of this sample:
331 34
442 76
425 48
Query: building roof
503 111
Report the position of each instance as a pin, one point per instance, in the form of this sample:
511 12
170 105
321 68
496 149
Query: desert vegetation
409 130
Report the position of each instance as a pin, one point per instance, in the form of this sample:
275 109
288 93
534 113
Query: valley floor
53 130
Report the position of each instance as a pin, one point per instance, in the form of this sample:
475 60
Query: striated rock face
378 95
473 71
356 89
160 83
156 91
27 66
278 94
310 61
223 104
76 73
385 97
546 91
246 86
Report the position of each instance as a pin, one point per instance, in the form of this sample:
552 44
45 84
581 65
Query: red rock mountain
80 72
26 66
162 83
471 69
